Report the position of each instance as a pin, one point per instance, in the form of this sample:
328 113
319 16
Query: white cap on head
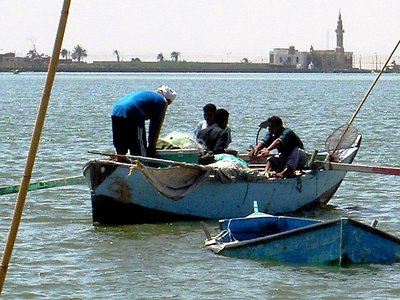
167 92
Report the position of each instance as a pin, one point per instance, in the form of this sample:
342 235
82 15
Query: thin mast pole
19 204
364 99
373 84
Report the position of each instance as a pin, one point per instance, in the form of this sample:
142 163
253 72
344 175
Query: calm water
60 254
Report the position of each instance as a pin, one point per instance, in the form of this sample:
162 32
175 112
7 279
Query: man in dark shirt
209 118
290 149
215 137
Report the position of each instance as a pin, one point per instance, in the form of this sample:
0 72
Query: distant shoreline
172 67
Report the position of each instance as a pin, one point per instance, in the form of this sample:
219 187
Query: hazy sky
202 30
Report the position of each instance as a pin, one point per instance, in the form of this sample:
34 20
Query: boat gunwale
171 163
275 236
282 235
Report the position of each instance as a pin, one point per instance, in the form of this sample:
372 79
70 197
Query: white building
322 60
289 57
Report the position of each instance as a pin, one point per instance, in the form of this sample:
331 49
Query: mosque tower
340 57
339 33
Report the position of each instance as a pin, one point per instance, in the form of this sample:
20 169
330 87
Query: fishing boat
302 241
147 190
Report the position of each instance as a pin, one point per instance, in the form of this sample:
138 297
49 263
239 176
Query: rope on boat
228 229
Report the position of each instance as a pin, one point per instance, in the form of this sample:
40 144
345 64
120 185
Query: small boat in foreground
302 241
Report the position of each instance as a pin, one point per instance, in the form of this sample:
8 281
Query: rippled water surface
60 254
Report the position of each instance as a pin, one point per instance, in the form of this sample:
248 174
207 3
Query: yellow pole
19 204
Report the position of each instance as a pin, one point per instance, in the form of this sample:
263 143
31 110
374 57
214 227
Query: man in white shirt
209 117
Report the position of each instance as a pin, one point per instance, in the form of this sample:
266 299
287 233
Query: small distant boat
16 71
295 240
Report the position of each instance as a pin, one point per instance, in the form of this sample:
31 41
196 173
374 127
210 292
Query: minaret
340 57
339 33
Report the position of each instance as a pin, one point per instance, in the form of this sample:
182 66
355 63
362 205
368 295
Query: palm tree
160 57
64 53
117 54
32 54
78 53
175 56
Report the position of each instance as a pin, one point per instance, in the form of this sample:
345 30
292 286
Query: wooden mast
19 204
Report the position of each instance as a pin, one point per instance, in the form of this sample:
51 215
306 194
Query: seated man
290 149
215 137
209 111
209 118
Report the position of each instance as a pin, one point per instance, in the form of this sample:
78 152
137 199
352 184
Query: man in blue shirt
128 120
290 156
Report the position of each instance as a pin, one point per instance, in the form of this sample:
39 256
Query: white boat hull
121 193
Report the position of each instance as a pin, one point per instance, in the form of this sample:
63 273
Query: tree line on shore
78 53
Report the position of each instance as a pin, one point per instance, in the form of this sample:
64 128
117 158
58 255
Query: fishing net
181 140
343 137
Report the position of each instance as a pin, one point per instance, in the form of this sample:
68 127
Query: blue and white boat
302 241
148 190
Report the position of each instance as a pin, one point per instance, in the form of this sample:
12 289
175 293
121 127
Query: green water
60 254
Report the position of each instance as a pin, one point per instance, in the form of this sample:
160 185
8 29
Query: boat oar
73 180
358 168
34 145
